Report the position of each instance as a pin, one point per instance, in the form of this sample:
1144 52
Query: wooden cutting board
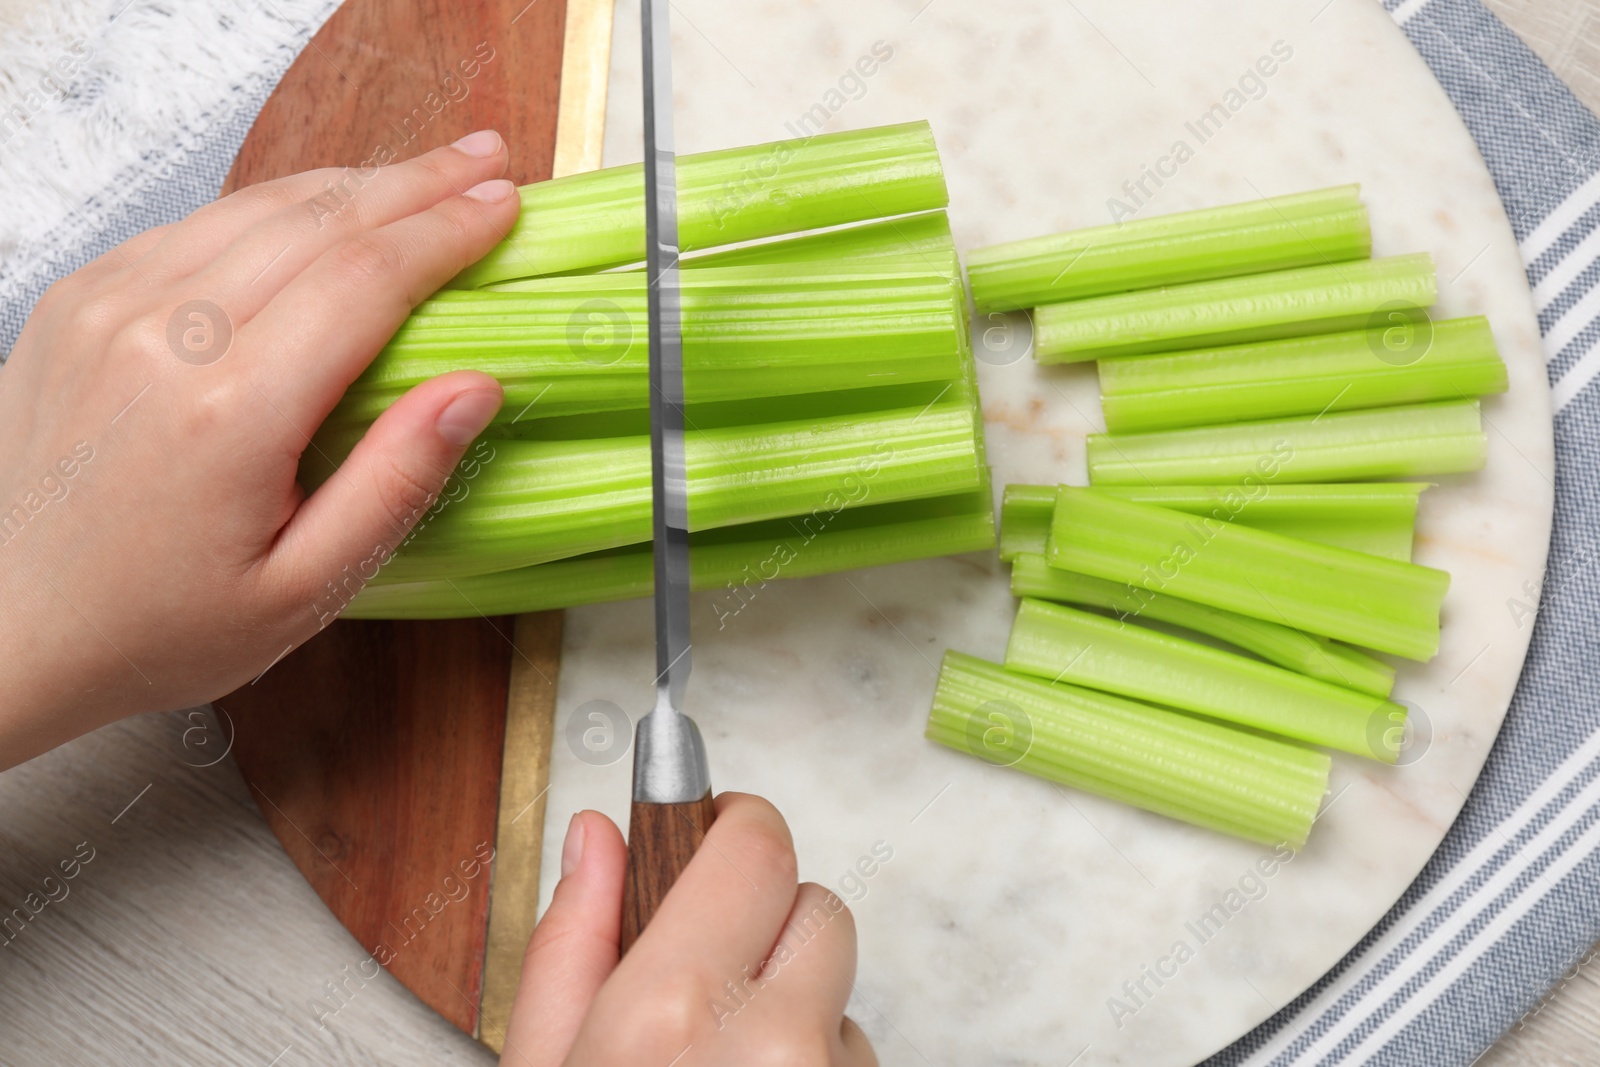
403 764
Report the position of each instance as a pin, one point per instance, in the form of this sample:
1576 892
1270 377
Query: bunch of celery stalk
1198 618
831 407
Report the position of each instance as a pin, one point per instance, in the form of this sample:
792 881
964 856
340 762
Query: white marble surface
1012 910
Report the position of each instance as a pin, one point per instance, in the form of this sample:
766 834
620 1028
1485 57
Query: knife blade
672 806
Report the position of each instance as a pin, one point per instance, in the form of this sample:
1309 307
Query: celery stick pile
1207 609
831 416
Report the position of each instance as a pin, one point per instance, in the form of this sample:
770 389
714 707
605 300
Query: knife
672 807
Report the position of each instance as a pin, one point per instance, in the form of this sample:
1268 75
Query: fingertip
600 845
594 859
493 191
574 947
750 810
572 847
480 144
469 413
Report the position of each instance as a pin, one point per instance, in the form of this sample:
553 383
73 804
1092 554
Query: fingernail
492 192
482 144
466 416
572 851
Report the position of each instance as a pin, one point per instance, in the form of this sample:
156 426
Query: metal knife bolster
669 759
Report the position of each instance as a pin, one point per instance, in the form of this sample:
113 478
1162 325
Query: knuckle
794 1048
668 1016
367 258
69 304
436 167
818 913
404 494
766 848
211 408
814 899
59 296
141 338
462 220
261 197
753 832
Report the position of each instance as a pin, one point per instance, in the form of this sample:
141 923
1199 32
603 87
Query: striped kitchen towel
99 143
1508 904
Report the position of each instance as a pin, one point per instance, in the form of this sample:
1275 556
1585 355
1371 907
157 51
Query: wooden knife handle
662 839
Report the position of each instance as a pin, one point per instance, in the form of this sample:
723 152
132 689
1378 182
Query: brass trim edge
519 833
585 74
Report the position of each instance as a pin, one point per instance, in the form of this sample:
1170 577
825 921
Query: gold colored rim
519 835
585 72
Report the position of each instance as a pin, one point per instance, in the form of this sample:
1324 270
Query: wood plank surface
375 749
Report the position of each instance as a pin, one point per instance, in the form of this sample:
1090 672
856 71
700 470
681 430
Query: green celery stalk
596 219
1258 307
1420 439
1187 768
535 501
738 560
1375 517
576 345
1376 603
1025 514
925 236
1308 654
1450 360
1006 278
1063 644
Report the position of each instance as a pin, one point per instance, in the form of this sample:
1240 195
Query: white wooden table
188 937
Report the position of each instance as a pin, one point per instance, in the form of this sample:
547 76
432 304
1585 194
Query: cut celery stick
1025 514
737 560
1008 276
596 219
1375 517
1187 768
1376 603
1259 307
1063 644
1450 360
1003 279
1419 439
923 236
1309 654
535 501
577 345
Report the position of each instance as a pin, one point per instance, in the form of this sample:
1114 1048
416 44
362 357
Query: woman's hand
741 966
155 549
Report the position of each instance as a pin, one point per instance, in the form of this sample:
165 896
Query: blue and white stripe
1507 904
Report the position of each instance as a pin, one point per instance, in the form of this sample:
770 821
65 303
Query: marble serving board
1019 922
